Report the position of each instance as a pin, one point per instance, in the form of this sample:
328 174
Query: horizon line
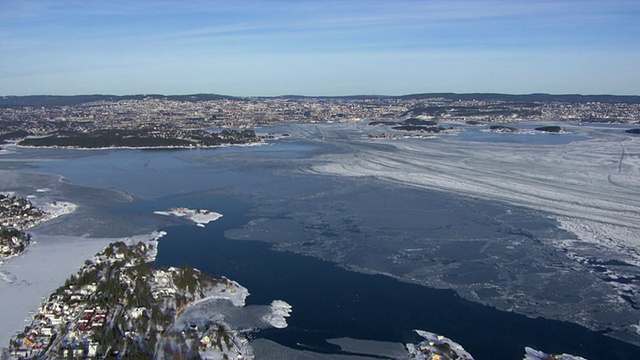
325 96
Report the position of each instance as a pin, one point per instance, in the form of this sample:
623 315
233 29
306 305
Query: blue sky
251 48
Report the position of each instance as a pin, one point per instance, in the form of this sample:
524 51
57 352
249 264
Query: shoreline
259 143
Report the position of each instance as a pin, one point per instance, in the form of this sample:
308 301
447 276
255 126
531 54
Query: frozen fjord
586 274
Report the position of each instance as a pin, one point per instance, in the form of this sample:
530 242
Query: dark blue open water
330 302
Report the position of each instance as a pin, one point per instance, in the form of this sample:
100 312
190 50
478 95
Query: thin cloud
50 35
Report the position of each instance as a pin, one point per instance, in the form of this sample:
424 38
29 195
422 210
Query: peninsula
119 305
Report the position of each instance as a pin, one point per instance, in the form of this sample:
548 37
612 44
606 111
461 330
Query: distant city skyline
319 48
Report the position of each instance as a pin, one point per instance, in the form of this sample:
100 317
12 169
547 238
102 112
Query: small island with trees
141 138
414 125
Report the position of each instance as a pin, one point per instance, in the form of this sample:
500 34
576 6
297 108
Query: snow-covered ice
231 291
533 354
280 310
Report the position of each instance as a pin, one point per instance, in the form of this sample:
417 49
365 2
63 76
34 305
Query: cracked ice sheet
590 187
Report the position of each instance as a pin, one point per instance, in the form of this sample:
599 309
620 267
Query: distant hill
570 98
59 100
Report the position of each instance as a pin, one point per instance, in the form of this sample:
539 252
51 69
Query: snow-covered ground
198 216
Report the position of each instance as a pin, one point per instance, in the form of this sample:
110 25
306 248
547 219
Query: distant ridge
68 100
571 98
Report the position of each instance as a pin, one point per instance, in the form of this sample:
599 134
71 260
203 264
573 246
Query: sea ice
587 188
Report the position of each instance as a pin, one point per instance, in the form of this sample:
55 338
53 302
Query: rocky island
199 216
550 129
503 129
437 347
413 124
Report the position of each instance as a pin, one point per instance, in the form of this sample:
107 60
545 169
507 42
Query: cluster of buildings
591 112
217 340
12 244
167 113
92 319
18 213
74 321
437 347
